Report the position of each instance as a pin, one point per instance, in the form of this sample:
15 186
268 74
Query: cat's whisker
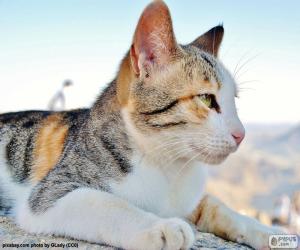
177 140
172 150
178 155
245 82
185 165
183 153
245 63
239 61
165 148
203 150
246 89
171 142
161 147
165 145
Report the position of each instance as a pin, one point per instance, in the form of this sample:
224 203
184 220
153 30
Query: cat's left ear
154 41
211 40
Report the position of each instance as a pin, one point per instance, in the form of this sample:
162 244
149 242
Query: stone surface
11 234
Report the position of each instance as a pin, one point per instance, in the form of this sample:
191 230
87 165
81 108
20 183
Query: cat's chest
150 189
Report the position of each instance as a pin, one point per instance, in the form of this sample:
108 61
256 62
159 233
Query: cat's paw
258 236
167 234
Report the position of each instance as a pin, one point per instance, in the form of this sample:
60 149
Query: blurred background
59 54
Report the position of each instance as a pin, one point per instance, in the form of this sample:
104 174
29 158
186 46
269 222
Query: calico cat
128 172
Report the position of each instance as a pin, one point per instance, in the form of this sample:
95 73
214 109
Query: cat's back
32 138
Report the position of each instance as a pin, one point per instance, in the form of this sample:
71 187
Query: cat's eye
209 101
206 99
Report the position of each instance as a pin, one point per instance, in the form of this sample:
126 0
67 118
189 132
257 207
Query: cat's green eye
210 101
207 100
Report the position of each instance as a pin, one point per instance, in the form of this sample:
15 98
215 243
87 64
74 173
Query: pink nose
238 137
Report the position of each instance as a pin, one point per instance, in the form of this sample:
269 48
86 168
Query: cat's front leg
101 217
215 217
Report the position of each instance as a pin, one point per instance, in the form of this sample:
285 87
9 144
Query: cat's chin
211 158
214 160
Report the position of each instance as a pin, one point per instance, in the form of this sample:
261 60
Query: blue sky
44 42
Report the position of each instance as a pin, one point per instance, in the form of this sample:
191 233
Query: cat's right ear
154 42
211 40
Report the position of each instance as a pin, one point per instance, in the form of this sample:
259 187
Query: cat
129 171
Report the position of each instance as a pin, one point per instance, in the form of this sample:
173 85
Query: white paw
166 234
258 236
262 240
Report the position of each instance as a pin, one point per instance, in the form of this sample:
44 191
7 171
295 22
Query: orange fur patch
48 146
200 112
207 215
125 77
198 212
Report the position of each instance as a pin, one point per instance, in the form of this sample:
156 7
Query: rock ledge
11 234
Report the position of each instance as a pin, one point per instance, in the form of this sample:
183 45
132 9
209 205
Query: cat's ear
211 40
154 41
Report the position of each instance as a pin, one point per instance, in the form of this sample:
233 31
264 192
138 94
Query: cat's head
178 101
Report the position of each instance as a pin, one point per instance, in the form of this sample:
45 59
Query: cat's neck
107 102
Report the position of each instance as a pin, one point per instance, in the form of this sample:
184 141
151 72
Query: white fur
162 192
226 98
101 217
11 191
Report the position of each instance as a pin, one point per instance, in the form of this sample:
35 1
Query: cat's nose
238 136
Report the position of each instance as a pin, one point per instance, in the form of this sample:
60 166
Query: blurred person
58 101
